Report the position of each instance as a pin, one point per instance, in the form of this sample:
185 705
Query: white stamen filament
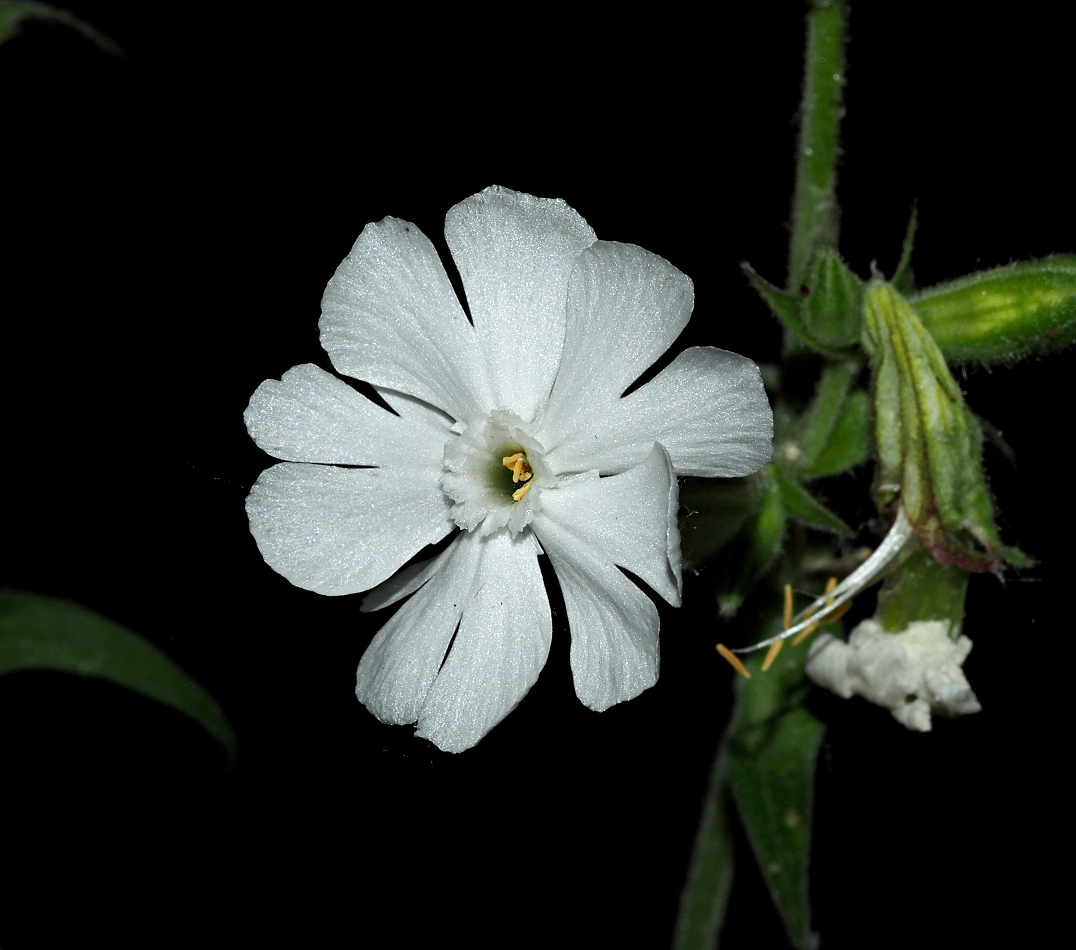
863 576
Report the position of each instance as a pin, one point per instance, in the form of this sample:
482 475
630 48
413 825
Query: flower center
495 474
521 472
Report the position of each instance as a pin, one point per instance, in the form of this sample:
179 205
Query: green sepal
831 310
849 443
772 748
786 307
1003 314
800 505
929 445
45 633
922 589
712 511
903 278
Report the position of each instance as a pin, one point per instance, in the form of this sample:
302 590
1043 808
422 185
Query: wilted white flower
912 673
512 426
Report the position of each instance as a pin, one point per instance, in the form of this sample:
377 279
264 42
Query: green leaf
43 633
757 547
849 443
801 506
903 279
772 750
1003 314
922 589
832 309
709 877
825 411
786 307
14 12
712 511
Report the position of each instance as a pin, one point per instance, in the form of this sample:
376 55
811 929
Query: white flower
912 673
513 426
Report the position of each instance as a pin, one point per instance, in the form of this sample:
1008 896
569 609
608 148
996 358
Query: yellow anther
830 584
516 495
788 613
771 654
733 659
521 468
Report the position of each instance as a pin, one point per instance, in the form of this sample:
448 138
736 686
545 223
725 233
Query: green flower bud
831 310
1005 313
929 458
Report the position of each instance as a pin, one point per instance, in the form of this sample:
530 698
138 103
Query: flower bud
831 310
928 443
1004 313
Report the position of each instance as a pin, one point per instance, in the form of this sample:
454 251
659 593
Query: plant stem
815 215
709 878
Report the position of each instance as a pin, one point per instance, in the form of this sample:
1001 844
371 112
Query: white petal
342 530
629 518
390 317
499 650
625 308
588 526
311 416
515 254
708 408
398 668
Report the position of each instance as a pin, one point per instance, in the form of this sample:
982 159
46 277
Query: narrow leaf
849 443
803 507
43 633
825 410
773 748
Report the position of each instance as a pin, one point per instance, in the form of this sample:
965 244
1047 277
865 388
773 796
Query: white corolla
512 426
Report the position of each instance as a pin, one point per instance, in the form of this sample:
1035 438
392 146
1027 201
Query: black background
169 221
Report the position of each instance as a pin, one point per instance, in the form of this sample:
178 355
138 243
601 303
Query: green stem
815 215
709 878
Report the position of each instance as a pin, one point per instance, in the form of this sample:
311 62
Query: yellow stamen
771 654
788 609
521 468
830 584
509 461
734 660
516 495
517 470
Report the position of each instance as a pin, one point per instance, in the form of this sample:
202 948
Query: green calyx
1003 314
929 458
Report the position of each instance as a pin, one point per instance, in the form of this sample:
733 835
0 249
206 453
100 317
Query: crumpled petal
625 308
912 673
311 416
343 530
390 317
708 408
589 527
515 254
491 589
